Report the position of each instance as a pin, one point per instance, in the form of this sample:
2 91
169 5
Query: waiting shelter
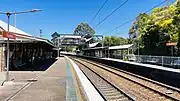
110 52
121 50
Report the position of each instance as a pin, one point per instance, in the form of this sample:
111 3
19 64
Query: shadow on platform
40 65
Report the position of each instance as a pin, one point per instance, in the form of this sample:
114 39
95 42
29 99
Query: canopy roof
121 47
72 36
12 29
21 35
68 36
95 48
88 39
93 44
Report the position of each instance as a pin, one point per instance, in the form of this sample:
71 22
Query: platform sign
8 35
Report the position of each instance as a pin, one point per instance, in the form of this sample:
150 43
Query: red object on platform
8 35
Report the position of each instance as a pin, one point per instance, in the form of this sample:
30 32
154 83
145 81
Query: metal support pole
15 21
58 52
178 61
162 60
172 49
58 47
105 53
7 66
128 51
108 53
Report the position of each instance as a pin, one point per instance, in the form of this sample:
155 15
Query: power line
98 11
135 17
112 12
156 6
122 24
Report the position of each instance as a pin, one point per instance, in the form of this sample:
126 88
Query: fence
168 61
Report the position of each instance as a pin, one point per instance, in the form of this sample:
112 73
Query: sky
63 16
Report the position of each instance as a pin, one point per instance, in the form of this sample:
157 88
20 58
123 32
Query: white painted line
89 89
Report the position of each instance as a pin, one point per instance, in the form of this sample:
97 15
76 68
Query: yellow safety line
78 91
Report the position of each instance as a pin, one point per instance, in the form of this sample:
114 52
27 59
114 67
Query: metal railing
168 61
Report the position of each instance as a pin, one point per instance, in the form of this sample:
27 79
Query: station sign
8 35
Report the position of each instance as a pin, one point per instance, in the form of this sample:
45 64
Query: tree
114 41
137 33
83 29
176 22
154 41
163 17
107 41
154 30
140 25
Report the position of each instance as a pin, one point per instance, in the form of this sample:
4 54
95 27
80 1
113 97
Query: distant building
54 36
64 40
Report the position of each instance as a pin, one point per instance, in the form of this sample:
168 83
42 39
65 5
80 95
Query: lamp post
8 15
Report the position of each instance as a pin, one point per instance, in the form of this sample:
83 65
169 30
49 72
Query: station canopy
93 44
68 36
72 36
21 36
96 48
121 47
87 39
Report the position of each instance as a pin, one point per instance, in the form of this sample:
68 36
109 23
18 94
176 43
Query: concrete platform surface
52 85
2 77
19 79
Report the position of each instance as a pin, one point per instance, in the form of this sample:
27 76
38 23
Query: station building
71 40
25 49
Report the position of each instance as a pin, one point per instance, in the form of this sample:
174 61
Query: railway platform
60 82
77 79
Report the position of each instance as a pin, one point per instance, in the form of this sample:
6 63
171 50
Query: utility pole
7 65
15 21
40 32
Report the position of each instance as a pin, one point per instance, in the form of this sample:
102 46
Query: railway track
139 87
106 89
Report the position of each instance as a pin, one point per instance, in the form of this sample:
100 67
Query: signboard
8 35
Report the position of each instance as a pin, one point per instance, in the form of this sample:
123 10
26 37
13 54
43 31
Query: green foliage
70 48
140 25
153 41
154 30
113 41
84 29
176 22
125 58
